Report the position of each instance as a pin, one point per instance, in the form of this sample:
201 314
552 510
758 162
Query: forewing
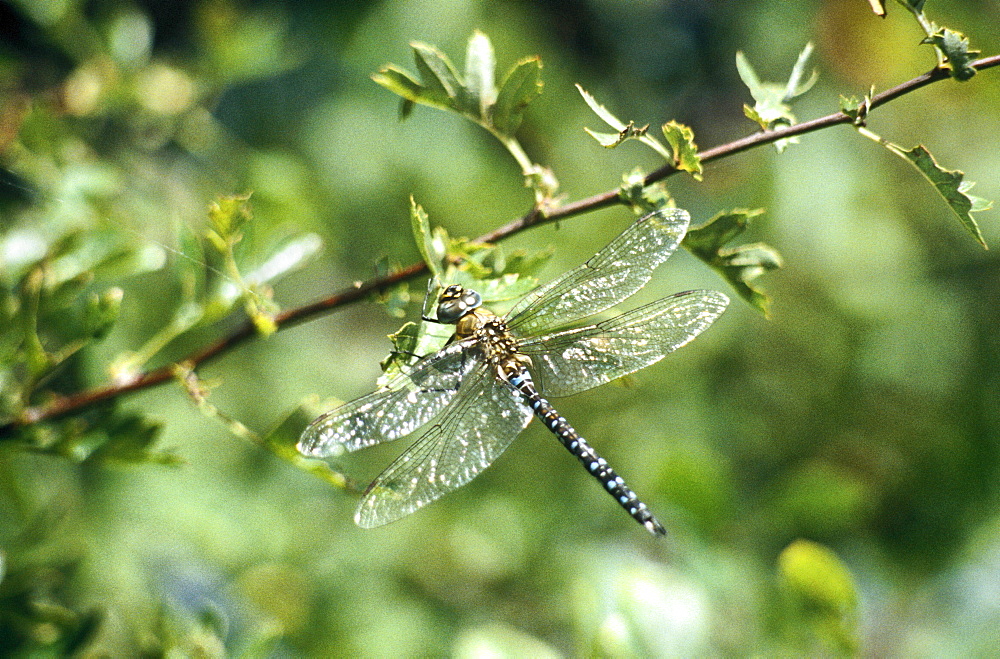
566 363
483 420
407 402
610 276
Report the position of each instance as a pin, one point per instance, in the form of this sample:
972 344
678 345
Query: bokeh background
829 475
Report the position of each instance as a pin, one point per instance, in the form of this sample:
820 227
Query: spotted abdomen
516 375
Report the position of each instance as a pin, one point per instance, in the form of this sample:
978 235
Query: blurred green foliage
829 475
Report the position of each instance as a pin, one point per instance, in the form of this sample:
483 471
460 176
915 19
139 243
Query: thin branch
75 402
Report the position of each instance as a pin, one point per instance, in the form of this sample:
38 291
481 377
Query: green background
861 417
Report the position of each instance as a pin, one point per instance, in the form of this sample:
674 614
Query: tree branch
76 402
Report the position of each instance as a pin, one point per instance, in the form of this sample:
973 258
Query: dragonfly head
455 302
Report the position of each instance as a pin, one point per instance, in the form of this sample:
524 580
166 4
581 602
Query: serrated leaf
625 131
601 111
740 265
955 48
611 140
432 249
520 86
771 108
948 183
438 77
480 66
681 141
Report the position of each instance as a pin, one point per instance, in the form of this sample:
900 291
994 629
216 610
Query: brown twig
75 402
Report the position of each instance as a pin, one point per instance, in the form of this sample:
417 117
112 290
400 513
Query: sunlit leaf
601 111
625 131
290 255
795 85
771 107
948 183
521 85
226 217
480 65
439 78
955 48
399 82
610 140
681 141
740 265
432 250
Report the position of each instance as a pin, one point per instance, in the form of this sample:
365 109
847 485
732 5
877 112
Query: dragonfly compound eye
455 302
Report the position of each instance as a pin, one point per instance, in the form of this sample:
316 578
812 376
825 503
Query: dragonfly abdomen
519 378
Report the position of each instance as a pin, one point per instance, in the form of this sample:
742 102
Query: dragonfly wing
407 402
483 420
610 276
566 363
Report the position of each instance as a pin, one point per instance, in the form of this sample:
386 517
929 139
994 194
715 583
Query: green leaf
101 311
771 107
948 183
399 82
795 87
226 217
289 255
601 111
643 198
611 140
439 78
127 439
821 591
738 265
520 86
954 46
432 248
480 65
855 108
476 97
749 76
625 131
408 344
681 141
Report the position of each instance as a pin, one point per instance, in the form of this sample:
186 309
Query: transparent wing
483 420
407 402
566 363
610 276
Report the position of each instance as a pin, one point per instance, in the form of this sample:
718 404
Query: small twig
75 402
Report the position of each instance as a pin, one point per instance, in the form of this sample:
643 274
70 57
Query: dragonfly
496 374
